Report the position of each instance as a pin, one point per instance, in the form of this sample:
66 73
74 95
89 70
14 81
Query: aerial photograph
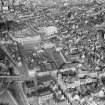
52 52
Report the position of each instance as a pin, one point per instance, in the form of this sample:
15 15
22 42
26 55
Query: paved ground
5 98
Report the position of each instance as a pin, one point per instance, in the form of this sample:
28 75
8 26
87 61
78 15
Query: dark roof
44 91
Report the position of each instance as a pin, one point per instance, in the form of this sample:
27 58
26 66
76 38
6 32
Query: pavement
5 98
